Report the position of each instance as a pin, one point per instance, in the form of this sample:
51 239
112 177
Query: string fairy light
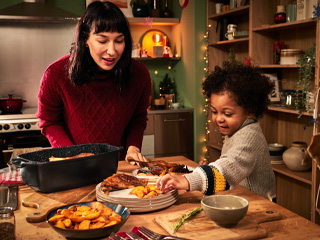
205 109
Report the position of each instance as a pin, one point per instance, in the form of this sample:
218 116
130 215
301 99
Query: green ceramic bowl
225 210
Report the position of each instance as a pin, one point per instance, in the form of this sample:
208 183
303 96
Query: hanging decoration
148 21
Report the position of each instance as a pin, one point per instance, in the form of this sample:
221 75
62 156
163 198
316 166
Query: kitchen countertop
290 226
164 111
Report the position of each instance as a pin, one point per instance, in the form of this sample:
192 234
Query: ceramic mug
232 27
229 35
218 7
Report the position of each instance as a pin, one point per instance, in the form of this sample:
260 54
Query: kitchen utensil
37 216
232 28
45 176
225 210
247 228
91 233
314 148
11 104
114 236
134 236
139 163
155 236
43 203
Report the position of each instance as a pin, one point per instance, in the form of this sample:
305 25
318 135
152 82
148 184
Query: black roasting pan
47 177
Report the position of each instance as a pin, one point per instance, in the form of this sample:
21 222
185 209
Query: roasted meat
52 159
160 166
120 181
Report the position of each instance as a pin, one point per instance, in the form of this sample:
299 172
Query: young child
238 97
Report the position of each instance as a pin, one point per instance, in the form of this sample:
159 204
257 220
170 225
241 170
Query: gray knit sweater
244 160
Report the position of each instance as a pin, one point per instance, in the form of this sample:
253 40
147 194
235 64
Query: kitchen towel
13 177
134 230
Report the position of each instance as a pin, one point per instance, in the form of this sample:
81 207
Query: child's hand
169 182
202 162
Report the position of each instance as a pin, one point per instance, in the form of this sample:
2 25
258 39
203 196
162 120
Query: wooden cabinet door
174 134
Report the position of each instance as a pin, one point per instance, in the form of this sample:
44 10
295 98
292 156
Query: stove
21 122
20 131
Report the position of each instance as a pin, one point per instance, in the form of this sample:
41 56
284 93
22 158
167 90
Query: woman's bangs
109 24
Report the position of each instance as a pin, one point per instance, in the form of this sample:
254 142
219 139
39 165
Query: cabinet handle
174 120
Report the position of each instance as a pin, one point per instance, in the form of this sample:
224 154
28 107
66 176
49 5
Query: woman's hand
135 154
169 182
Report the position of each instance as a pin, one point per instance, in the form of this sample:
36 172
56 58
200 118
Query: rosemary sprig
185 218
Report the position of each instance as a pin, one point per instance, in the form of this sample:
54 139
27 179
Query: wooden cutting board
44 202
200 227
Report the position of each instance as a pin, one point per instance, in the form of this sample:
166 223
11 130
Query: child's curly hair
249 88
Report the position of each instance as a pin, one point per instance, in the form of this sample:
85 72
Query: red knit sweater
96 112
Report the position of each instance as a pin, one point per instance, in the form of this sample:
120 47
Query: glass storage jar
7 223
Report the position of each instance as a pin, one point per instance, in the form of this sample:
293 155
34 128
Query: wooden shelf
155 21
227 42
234 12
175 59
287 110
282 26
279 66
305 177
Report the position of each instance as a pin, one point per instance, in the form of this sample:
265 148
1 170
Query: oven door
22 139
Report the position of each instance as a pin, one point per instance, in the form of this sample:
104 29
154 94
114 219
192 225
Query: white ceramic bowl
275 147
176 105
225 210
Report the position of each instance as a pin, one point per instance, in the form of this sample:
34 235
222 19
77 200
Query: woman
98 93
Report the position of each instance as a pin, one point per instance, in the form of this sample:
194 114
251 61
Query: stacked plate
136 204
276 151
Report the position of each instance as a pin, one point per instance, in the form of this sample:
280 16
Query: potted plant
139 8
167 86
306 74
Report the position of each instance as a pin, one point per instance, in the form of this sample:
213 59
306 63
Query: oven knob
20 126
0 127
27 126
6 127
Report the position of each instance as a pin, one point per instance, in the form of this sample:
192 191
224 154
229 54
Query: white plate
144 208
135 172
136 204
123 195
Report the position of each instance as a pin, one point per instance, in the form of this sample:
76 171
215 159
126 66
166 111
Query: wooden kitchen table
290 226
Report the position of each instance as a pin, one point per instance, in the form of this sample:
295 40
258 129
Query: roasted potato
83 217
148 191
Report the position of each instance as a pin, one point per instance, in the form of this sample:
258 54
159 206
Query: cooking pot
45 176
11 104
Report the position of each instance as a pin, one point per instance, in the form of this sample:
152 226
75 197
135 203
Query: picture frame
275 94
124 5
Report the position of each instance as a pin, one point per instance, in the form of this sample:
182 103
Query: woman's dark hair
248 87
100 17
